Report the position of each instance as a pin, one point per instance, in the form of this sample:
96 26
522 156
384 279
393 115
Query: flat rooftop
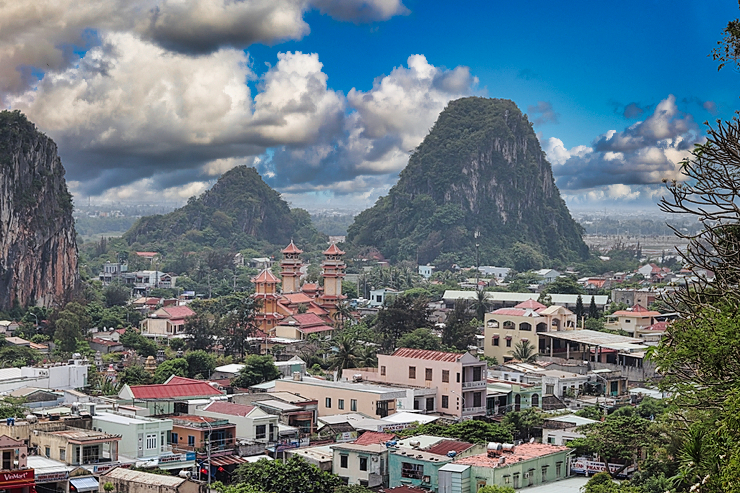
523 452
387 392
596 338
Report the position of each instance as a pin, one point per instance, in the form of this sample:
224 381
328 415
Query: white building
252 423
560 430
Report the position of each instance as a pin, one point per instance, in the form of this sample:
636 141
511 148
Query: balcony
468 411
474 384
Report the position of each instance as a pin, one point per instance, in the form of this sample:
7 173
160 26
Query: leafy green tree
458 331
617 439
401 316
421 338
71 325
135 375
593 311
526 257
17 356
473 431
594 324
11 407
292 476
177 366
524 422
524 351
580 311
203 331
345 355
116 295
564 285
143 346
591 412
200 363
257 369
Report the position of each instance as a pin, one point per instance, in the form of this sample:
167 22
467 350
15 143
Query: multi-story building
459 379
332 272
15 475
77 446
166 322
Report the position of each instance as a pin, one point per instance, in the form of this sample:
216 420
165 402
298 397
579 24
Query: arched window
525 326
509 325
535 400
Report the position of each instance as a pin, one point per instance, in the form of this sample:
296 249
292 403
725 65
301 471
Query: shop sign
20 476
52 477
395 427
106 467
167 459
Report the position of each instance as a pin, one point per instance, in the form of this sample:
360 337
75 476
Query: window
516 481
627 321
494 340
174 438
509 325
446 376
477 400
340 404
549 389
428 374
535 400
260 431
476 373
458 377
353 405
508 342
493 324
47 453
151 441
558 467
191 441
525 326
363 463
551 440
412 471
328 402
544 473
445 401
62 454
412 372
343 459
382 371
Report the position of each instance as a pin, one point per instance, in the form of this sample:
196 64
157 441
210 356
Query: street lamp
208 444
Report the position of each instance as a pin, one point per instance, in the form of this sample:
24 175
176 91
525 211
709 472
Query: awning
227 460
85 483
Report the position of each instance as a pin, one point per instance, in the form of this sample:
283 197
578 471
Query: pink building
459 379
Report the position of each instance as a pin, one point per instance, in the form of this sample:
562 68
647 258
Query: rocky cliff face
38 251
480 169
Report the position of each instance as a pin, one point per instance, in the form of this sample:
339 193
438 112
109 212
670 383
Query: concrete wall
366 401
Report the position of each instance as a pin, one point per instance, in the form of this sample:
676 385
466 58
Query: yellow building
506 327
265 291
291 268
333 272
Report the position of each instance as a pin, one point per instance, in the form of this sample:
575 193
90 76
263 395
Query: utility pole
208 444
477 260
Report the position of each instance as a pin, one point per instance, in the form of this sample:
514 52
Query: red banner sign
20 476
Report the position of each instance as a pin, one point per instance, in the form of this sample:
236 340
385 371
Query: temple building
296 299
333 272
265 290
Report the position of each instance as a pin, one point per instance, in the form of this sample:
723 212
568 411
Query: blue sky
153 99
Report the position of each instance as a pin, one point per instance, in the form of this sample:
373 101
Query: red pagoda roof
292 248
266 276
333 250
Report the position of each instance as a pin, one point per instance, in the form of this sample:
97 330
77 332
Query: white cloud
361 10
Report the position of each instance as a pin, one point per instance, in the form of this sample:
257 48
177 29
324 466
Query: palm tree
344 312
345 355
524 352
480 305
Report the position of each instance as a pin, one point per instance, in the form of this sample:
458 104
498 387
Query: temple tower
333 272
265 290
291 268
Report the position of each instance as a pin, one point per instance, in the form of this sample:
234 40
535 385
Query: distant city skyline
152 100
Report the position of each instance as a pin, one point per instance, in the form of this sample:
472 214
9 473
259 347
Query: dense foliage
292 476
480 169
473 431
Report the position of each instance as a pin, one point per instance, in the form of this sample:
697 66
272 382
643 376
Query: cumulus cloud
381 127
361 10
47 36
620 165
542 113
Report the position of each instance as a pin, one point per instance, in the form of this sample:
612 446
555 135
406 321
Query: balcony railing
474 410
474 384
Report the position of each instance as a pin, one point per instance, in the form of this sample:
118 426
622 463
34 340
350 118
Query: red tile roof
266 276
178 311
296 298
229 408
658 327
426 354
531 304
373 438
515 312
147 254
308 319
310 286
333 250
522 452
175 388
292 248
441 448
316 328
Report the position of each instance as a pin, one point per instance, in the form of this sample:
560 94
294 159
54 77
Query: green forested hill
240 211
481 169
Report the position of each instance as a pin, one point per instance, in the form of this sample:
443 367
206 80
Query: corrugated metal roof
85 483
143 477
445 446
174 390
427 354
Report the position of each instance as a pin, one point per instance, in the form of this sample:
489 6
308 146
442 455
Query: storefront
51 475
18 481
83 484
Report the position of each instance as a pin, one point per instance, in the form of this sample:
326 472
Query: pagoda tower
265 290
333 272
291 268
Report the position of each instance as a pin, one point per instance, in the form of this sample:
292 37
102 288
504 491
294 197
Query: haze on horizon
152 100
